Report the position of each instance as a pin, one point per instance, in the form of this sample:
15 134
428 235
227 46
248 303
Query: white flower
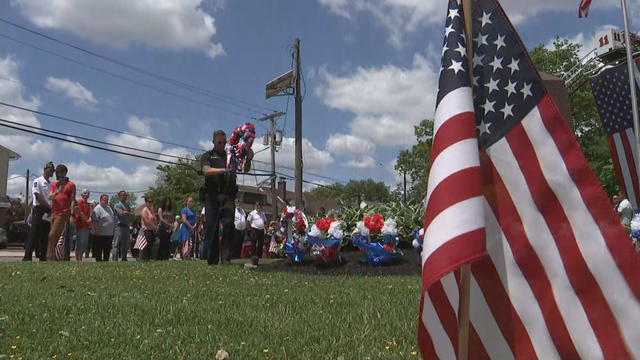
315 232
335 230
360 228
389 227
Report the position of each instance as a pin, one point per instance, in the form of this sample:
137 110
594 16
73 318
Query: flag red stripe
457 128
425 343
616 162
503 311
445 312
455 252
593 196
453 189
525 256
597 309
631 163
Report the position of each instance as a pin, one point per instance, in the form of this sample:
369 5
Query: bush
408 217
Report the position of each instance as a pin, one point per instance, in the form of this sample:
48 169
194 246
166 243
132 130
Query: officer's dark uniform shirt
219 183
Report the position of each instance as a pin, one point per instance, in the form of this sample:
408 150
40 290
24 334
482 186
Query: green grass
188 310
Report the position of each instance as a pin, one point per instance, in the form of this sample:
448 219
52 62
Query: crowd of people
60 223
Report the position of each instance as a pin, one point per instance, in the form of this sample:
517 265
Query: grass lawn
188 310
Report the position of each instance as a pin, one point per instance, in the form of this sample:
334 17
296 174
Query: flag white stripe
454 158
542 241
450 286
518 289
439 337
624 166
590 241
456 102
455 220
486 326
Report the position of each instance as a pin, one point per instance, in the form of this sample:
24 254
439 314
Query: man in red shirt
82 215
62 194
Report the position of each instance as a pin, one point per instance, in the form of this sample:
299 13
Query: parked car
18 233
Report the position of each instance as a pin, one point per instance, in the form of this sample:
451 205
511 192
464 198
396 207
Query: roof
12 154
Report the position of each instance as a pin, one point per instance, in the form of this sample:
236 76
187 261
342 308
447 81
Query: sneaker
250 266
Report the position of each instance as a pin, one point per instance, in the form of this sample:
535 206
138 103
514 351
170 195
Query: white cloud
387 101
75 147
29 147
138 126
166 24
111 178
80 95
313 158
400 17
15 185
359 151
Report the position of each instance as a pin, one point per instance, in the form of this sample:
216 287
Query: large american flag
583 9
613 98
553 273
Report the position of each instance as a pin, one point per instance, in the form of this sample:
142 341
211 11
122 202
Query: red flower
374 222
324 223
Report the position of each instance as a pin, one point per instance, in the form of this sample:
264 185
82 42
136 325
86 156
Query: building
248 195
5 205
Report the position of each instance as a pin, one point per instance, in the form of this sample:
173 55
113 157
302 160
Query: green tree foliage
558 61
131 198
178 182
415 161
355 191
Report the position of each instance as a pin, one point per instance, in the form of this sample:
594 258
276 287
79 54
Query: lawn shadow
351 263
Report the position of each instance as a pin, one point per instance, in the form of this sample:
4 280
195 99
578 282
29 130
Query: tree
178 182
355 191
415 161
131 198
558 61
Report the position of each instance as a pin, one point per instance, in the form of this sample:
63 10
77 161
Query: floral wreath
238 145
325 238
376 252
294 223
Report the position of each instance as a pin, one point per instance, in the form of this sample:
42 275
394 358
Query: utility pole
26 189
298 136
272 142
404 191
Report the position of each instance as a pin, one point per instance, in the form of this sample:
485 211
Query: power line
63 118
97 141
87 145
217 96
124 78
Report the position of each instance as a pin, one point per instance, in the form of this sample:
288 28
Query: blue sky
370 69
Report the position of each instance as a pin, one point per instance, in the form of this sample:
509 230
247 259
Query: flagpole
632 84
465 271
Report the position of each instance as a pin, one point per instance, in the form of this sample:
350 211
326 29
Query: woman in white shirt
103 226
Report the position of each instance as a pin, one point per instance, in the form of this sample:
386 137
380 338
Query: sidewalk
12 254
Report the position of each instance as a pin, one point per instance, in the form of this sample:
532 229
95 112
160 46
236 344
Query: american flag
141 241
613 98
553 275
583 9
59 249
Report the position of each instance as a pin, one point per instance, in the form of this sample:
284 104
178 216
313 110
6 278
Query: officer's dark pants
38 235
219 210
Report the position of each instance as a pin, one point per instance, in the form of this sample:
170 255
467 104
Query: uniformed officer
40 216
220 192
